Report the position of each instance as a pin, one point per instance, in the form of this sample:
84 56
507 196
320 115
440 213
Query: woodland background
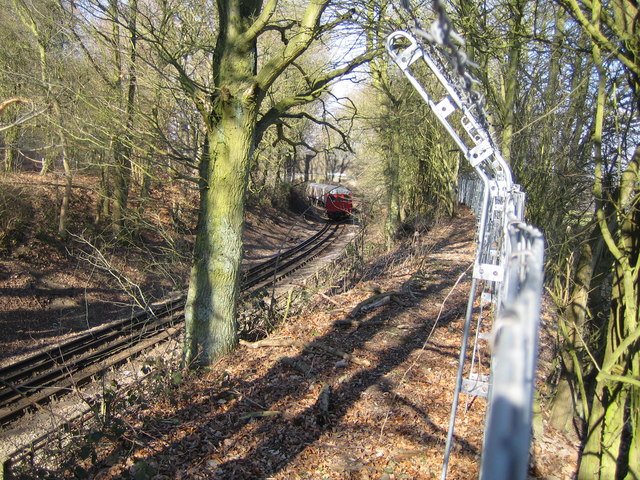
132 93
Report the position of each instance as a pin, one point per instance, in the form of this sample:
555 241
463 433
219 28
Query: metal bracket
488 272
480 152
409 56
476 385
445 107
472 129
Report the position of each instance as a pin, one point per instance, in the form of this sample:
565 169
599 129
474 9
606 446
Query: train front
338 203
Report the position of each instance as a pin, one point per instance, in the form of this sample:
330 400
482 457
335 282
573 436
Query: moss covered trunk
214 282
230 112
611 447
211 327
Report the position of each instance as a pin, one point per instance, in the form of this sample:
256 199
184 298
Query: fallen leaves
332 396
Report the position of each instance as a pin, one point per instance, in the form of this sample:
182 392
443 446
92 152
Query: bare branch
323 123
308 31
292 143
24 118
315 89
261 22
283 29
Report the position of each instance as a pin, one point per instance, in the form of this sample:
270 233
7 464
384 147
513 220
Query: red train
336 200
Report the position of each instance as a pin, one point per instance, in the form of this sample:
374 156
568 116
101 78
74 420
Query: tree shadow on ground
294 438
27 331
230 436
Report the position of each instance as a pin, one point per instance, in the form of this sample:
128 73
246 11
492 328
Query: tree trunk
213 288
122 180
634 422
583 323
603 448
617 381
122 144
307 166
393 190
210 312
511 78
68 183
104 194
10 138
230 116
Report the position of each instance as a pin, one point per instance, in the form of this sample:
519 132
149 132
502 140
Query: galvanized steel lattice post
509 258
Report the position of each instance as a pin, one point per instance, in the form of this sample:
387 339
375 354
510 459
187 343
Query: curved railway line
34 380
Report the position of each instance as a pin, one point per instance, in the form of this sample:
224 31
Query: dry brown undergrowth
344 390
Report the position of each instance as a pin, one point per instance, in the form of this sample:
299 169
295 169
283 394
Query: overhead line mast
509 259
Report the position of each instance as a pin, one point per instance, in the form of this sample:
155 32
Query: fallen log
373 302
322 416
273 342
297 364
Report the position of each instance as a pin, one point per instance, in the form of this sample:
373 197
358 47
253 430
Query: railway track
34 380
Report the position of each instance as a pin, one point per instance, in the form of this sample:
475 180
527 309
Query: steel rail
25 367
273 262
284 265
55 370
59 377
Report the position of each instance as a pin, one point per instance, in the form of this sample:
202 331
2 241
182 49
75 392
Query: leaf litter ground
350 389
344 391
